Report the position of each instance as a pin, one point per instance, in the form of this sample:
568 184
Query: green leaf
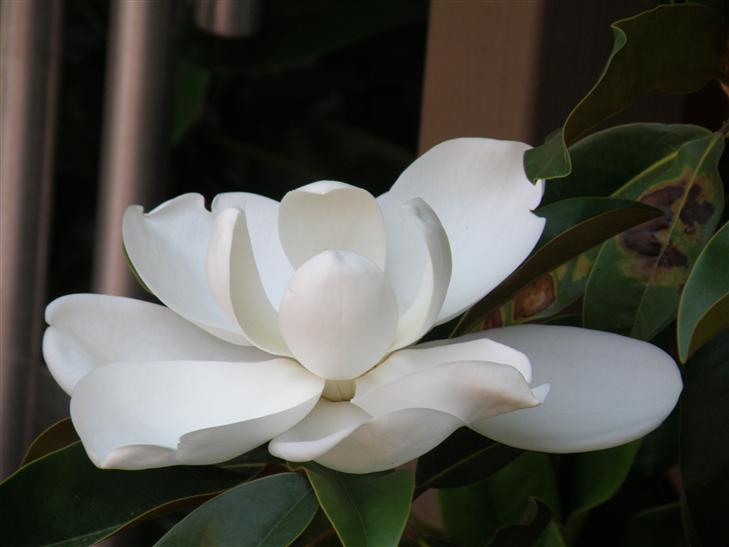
191 86
573 226
365 510
462 459
524 534
656 527
59 435
704 307
675 48
267 512
650 263
595 477
551 537
473 514
610 466
62 499
605 161
705 442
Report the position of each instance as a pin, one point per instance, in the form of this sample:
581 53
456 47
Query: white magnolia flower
293 323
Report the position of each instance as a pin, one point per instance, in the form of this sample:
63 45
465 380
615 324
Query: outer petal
481 195
424 310
469 390
331 215
156 414
425 356
606 390
90 330
262 221
236 284
339 315
168 247
343 437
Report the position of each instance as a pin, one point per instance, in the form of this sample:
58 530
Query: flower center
339 315
338 390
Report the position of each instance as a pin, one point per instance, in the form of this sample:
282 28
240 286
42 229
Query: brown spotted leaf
573 226
635 283
552 294
603 163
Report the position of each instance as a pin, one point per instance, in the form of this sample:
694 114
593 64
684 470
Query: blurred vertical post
134 141
514 70
30 56
228 18
481 70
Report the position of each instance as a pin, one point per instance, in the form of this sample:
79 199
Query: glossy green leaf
656 527
551 536
650 263
191 85
704 442
267 512
549 296
524 534
605 161
365 510
595 477
473 514
573 226
62 499
462 459
703 310
59 435
674 48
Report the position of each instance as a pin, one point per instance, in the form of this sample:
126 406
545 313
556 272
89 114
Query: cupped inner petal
153 414
473 347
90 330
468 390
236 284
331 215
480 193
168 247
605 390
342 436
262 222
422 313
339 315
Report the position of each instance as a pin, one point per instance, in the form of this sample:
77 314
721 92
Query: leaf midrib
672 227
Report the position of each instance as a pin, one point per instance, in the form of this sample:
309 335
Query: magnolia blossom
294 323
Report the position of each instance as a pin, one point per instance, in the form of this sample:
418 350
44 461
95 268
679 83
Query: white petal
423 311
90 330
425 356
155 414
481 195
322 429
469 390
262 221
339 315
342 437
236 282
331 215
167 247
606 390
